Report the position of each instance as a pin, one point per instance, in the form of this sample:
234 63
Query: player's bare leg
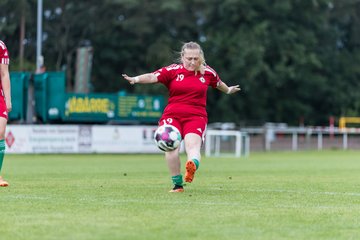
3 122
192 145
173 161
3 183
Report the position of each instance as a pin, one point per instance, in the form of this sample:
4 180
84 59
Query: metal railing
309 138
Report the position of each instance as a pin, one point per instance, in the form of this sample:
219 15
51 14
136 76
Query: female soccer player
5 102
187 83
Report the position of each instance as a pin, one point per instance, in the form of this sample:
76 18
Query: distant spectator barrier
139 139
306 138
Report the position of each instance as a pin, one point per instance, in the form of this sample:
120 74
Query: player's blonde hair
194 45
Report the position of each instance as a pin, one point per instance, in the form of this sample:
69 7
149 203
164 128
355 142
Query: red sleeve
214 79
4 55
166 74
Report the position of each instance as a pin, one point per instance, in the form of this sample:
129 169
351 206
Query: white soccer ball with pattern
167 138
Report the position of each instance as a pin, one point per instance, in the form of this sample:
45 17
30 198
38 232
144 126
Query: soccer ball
167 138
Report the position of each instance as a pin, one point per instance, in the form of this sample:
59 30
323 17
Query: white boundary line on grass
119 200
304 192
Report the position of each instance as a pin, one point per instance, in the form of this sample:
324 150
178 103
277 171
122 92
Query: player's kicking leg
192 145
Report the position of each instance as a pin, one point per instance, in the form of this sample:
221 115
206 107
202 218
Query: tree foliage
296 61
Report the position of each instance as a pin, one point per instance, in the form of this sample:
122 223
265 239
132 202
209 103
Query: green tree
16 19
274 50
295 60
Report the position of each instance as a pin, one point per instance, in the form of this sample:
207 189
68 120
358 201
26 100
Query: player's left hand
233 89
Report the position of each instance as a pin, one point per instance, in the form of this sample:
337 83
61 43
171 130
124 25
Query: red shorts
194 124
3 108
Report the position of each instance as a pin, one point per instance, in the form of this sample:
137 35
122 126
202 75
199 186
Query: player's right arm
4 75
5 83
144 78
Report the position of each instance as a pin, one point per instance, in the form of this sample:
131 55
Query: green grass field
302 195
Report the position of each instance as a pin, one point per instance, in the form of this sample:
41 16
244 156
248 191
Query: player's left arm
228 89
5 83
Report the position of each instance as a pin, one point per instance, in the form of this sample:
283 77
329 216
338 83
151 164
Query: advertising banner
80 139
123 139
90 107
42 139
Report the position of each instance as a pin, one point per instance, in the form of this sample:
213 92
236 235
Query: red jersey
4 57
187 91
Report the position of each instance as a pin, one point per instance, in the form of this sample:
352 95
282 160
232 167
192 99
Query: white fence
270 139
241 142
